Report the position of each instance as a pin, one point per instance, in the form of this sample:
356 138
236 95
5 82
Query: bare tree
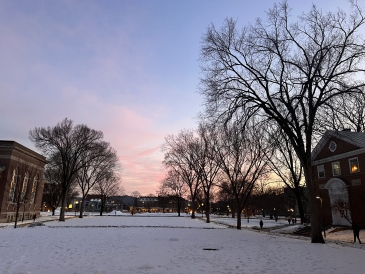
136 194
286 165
96 165
173 186
286 72
65 145
225 193
109 186
180 152
52 193
205 164
242 158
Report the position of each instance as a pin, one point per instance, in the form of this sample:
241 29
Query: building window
24 188
354 165
12 186
34 188
336 169
320 170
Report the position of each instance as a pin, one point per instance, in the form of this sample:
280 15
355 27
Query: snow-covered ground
151 243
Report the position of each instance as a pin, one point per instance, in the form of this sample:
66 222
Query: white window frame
318 171
333 169
358 166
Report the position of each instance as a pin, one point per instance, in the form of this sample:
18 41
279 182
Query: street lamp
324 228
202 209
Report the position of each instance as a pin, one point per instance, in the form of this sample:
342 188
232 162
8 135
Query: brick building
21 181
338 169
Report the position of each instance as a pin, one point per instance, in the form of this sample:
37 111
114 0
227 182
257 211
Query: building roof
354 138
12 145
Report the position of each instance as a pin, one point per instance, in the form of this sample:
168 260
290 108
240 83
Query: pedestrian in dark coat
34 217
261 224
356 231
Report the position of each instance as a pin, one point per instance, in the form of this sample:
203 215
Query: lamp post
202 209
324 228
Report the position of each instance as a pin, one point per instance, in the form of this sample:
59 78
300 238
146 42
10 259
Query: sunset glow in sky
127 68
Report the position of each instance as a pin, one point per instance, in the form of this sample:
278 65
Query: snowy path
143 249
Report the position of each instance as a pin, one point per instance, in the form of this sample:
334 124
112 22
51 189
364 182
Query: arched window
24 188
34 189
12 186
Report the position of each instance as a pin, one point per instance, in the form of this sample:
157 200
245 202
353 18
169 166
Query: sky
128 68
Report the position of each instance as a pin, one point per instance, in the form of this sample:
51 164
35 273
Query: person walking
261 224
34 217
356 231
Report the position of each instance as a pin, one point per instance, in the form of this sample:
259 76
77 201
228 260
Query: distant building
21 181
338 170
160 204
124 202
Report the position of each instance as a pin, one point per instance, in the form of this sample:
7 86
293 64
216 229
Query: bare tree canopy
180 155
172 186
107 187
286 71
243 160
97 164
136 194
64 145
285 164
346 111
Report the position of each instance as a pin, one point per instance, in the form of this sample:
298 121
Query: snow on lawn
134 244
134 221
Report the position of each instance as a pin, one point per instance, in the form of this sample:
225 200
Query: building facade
338 170
21 181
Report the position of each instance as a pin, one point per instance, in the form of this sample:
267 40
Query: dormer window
336 169
320 170
354 165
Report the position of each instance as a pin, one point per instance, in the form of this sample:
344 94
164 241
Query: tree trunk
23 212
192 208
82 206
207 210
63 205
178 205
62 212
239 225
316 232
300 207
16 215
